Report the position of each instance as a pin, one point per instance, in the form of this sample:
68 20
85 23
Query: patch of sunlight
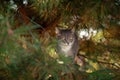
60 62
89 71
87 33
98 37
95 35
52 52
94 66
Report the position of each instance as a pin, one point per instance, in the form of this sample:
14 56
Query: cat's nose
67 43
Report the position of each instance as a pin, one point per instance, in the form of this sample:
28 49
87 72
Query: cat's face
65 37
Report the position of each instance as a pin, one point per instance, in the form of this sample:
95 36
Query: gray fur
67 42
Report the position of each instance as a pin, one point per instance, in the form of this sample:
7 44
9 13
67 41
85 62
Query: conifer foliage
28 43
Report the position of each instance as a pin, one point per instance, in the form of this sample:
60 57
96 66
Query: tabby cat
67 42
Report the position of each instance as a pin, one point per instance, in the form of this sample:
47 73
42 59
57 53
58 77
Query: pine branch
101 62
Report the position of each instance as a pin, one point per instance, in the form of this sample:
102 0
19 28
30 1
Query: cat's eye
61 37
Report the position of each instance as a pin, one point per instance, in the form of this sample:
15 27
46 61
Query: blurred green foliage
35 58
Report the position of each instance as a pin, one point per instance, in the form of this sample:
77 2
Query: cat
68 43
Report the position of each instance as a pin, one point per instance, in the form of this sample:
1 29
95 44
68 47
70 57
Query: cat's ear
57 30
73 29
